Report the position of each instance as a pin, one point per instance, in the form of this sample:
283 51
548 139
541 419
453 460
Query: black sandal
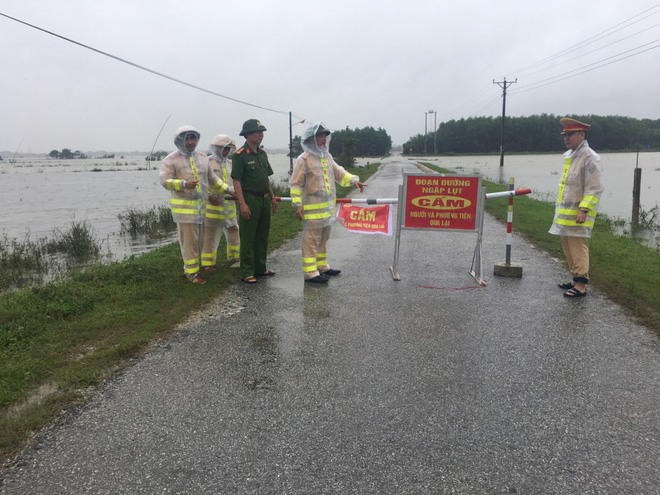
567 285
574 293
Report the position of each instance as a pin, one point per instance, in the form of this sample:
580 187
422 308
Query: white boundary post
476 269
397 240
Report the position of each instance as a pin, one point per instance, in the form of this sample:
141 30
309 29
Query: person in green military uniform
254 193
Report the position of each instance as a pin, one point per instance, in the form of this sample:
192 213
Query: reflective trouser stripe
314 250
191 237
208 259
309 265
233 251
191 266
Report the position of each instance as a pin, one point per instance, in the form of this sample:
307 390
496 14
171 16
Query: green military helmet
252 125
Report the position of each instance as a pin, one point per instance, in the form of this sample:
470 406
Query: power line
603 34
591 39
594 50
488 105
568 74
160 74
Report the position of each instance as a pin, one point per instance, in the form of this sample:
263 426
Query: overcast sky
349 63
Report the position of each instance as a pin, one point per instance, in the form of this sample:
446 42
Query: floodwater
40 195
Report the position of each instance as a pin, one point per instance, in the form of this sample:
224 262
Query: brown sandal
249 280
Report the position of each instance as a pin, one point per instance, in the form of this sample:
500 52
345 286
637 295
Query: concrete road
368 385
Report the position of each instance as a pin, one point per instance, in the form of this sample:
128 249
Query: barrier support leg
509 269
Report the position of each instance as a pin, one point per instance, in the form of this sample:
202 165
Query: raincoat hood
308 140
219 144
180 139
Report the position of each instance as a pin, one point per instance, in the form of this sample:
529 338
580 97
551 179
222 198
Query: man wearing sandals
253 190
189 178
580 190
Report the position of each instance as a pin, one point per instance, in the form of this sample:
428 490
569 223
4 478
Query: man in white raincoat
580 190
189 178
313 194
221 217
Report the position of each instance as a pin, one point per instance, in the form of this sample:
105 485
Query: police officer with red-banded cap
580 190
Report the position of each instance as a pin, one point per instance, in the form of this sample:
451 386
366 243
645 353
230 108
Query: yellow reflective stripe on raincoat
318 206
567 217
184 202
346 180
562 184
573 223
211 208
589 202
317 216
174 184
574 213
195 174
216 216
326 180
182 211
179 206
220 187
296 196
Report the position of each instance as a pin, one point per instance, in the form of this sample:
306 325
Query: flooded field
39 195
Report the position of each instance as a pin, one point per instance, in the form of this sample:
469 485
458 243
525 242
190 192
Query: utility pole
426 119
290 145
425 131
503 85
435 131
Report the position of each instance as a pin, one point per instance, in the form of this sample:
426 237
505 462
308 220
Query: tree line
535 134
347 144
67 154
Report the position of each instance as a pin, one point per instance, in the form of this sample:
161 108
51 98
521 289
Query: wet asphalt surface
367 385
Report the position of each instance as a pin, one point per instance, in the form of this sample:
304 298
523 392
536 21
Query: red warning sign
441 203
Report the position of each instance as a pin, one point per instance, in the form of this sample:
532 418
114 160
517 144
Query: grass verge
624 270
60 339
